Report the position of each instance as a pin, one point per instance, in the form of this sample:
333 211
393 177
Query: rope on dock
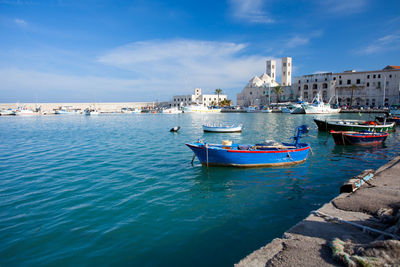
363 227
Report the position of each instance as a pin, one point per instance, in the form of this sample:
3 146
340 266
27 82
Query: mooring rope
363 227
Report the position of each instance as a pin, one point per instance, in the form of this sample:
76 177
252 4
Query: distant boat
395 109
319 107
7 112
266 110
252 109
25 112
358 138
66 110
172 110
91 112
219 128
257 155
199 109
353 125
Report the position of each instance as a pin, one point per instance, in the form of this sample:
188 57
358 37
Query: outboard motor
303 129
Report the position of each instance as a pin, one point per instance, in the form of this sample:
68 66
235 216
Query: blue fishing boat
220 128
256 155
358 138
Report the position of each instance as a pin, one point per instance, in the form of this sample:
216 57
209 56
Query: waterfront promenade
374 206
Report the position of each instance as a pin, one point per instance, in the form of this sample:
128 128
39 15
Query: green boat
353 125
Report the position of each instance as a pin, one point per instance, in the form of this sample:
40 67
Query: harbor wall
348 221
103 107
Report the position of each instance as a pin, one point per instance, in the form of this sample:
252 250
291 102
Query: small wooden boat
219 128
358 138
257 155
390 119
353 125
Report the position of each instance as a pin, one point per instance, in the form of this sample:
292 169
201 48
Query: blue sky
106 51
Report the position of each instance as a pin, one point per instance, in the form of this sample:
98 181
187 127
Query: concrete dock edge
308 242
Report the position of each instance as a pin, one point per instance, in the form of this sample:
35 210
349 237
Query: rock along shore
324 239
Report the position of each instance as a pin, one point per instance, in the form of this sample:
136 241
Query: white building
286 71
260 90
197 98
370 88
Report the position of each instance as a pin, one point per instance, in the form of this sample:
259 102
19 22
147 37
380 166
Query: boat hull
356 138
216 129
235 157
327 126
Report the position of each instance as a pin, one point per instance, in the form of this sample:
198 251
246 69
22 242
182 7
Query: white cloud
159 70
251 11
187 63
343 7
297 41
20 22
386 43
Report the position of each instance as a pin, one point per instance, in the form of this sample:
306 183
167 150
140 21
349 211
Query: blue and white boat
220 128
257 155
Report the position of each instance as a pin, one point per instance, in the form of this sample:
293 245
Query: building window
299 81
374 76
288 64
251 93
316 80
326 79
307 80
299 88
348 81
288 73
305 95
367 84
373 102
334 78
367 101
284 73
368 76
340 77
284 64
315 86
358 81
390 76
305 87
340 81
324 85
379 75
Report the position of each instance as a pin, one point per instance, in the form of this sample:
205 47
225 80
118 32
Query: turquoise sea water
120 189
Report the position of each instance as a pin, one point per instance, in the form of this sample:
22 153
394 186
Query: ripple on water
120 189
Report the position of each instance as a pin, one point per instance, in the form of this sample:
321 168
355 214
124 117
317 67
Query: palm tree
278 90
218 91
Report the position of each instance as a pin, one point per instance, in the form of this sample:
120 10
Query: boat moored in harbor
353 125
257 155
220 128
358 138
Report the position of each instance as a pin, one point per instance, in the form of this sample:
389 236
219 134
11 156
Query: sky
151 50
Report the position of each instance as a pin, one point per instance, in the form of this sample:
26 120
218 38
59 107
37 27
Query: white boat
66 110
395 110
319 107
172 110
25 112
252 109
91 112
266 110
7 112
199 109
220 128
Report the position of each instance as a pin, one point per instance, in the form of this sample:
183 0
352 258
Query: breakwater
329 235
106 107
